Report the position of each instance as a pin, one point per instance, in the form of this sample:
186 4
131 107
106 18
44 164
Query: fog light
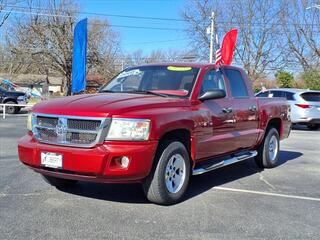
124 162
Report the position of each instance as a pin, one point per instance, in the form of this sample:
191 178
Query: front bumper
92 164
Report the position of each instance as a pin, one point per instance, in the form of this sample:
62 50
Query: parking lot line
268 193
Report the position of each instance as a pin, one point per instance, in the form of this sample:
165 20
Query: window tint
237 84
263 94
277 94
212 80
289 96
311 96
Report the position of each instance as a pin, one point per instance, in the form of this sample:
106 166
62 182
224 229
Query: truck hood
106 104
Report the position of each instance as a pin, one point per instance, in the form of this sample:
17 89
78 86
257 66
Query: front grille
47 121
47 134
81 138
68 130
84 124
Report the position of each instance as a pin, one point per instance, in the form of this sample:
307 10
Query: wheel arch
276 123
10 100
182 135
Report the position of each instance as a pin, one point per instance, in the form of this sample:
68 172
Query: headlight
129 129
29 122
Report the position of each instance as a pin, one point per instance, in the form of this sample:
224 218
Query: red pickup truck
155 124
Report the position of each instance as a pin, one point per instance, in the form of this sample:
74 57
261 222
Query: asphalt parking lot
237 202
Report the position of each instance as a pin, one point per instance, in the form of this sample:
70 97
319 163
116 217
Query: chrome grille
69 130
81 138
84 124
47 121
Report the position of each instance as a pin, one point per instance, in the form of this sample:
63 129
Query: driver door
216 124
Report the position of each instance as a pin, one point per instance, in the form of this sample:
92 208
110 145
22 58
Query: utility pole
211 37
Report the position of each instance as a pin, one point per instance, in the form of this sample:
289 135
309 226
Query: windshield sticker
129 73
179 69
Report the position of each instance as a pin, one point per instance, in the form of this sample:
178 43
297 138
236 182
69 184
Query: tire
268 151
169 178
313 126
11 109
59 182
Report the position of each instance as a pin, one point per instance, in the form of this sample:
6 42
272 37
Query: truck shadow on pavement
132 193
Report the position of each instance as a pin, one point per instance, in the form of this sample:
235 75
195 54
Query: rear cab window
237 83
311 96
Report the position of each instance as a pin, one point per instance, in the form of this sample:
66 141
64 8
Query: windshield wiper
148 92
106 91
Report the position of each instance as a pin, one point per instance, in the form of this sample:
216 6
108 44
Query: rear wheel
59 182
11 109
169 178
268 152
313 126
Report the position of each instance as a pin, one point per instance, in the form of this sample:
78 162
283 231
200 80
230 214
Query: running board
225 162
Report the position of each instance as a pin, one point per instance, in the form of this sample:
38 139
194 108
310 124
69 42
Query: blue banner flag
79 57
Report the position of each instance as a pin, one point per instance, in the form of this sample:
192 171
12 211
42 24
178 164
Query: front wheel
268 152
11 109
169 178
59 182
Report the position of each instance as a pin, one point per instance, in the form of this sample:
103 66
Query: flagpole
211 37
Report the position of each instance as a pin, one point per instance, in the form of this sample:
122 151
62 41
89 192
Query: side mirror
213 94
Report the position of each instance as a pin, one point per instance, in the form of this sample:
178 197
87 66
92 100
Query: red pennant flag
228 46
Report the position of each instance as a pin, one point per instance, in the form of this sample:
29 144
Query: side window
289 96
263 94
212 80
277 94
237 84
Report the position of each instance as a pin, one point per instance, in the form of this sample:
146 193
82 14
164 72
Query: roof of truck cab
185 64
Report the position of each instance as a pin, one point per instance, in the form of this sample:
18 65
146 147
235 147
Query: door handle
253 108
227 110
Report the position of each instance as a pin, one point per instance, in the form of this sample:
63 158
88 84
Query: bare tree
156 56
44 41
302 31
5 10
258 48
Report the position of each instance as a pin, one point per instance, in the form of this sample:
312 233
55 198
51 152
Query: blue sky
145 39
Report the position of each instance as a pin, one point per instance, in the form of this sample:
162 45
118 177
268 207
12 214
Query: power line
99 14
111 25
132 17
160 41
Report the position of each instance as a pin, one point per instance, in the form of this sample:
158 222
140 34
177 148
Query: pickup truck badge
61 129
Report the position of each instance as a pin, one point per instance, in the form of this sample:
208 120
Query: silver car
305 104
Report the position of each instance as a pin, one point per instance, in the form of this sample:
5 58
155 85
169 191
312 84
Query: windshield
164 80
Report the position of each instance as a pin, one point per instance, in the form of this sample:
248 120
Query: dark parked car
12 97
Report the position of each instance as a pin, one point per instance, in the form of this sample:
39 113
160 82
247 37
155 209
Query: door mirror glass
213 94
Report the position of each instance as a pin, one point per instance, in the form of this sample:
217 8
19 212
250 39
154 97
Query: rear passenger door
245 109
